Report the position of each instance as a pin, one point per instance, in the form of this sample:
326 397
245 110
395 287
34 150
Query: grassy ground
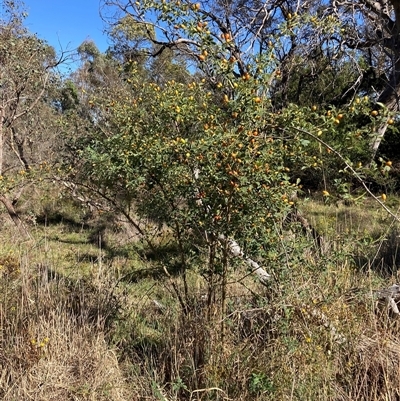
89 316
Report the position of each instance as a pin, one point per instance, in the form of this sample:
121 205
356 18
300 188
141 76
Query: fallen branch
325 321
391 296
236 251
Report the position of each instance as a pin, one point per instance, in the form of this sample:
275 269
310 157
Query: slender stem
211 288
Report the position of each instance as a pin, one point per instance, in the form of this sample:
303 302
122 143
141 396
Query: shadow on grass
162 259
87 257
60 218
70 240
155 273
384 257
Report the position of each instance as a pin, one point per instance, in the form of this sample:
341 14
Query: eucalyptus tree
372 29
28 104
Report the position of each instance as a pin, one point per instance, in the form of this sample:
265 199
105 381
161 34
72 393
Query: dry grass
53 340
74 364
82 328
56 357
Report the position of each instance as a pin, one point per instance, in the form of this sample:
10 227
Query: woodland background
206 211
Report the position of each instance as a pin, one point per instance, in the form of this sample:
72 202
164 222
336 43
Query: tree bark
390 96
3 199
2 122
15 217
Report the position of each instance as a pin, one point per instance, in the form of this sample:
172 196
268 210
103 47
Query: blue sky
65 24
